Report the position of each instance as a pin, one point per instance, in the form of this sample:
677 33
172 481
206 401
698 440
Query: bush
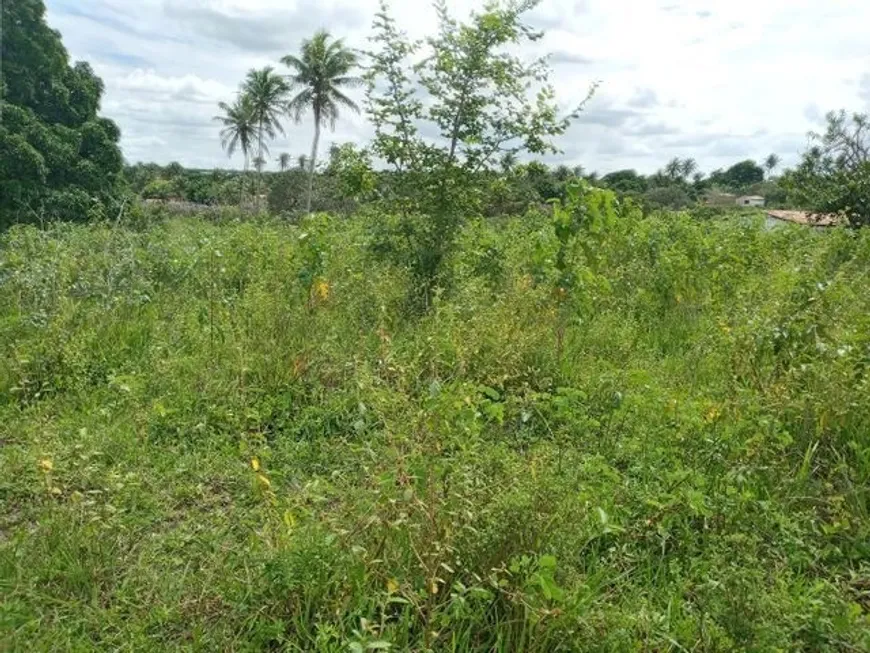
671 198
288 192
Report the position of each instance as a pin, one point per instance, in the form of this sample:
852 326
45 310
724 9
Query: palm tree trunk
313 159
260 167
242 181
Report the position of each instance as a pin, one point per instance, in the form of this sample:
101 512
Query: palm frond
341 98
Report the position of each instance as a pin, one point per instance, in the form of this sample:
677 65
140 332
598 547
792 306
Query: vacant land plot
239 437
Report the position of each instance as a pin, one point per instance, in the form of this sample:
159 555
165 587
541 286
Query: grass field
234 437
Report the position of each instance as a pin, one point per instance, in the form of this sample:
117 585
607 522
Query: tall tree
833 176
688 167
674 168
284 161
846 140
58 158
267 92
239 130
319 75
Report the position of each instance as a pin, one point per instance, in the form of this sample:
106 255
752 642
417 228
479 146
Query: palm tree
302 162
283 161
319 72
508 162
239 130
267 91
771 163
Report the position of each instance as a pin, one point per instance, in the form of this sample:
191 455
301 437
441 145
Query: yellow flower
321 289
265 482
46 465
392 586
255 464
712 413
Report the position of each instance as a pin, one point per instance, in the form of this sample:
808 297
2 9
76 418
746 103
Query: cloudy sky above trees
717 80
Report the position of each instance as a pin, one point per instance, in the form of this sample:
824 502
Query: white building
750 200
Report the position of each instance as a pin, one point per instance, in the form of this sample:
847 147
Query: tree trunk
260 165
242 182
313 159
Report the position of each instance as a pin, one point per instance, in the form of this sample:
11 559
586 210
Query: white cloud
718 80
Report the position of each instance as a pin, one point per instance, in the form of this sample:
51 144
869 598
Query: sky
716 80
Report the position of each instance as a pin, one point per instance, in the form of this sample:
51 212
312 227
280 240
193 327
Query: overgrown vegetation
614 434
475 404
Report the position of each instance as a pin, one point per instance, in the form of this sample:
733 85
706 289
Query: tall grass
233 437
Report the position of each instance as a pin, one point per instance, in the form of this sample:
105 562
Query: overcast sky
717 80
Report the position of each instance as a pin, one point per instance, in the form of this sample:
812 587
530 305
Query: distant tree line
508 188
59 160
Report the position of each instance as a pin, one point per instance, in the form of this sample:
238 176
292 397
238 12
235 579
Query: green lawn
227 437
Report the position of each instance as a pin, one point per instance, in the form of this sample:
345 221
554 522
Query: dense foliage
58 158
614 434
834 175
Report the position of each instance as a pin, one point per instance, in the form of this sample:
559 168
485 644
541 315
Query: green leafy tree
58 158
743 174
481 101
319 74
138 176
625 182
173 170
545 184
267 92
833 176
846 141
239 130
159 189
